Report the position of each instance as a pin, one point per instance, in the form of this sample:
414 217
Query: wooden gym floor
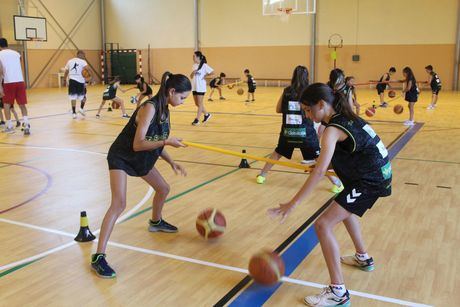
46 179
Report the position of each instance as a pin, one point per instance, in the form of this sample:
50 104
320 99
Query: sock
362 257
25 119
155 222
9 124
339 290
73 110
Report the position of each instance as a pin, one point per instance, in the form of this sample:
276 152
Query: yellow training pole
252 157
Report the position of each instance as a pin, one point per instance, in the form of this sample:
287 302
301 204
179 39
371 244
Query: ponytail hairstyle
139 77
299 81
320 91
409 75
202 59
337 79
168 81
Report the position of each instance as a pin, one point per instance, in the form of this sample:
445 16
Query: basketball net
284 13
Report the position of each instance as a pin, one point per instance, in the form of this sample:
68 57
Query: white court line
200 262
61 247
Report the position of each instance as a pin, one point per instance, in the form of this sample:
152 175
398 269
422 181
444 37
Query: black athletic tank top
140 86
386 79
110 92
435 81
122 147
361 159
297 129
215 82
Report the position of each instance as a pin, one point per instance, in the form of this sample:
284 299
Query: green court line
18 267
432 161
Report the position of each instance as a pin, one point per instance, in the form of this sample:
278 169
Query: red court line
49 182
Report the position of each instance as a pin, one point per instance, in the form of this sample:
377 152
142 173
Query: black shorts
409 97
355 200
195 93
213 86
76 88
381 88
118 163
286 150
1 102
251 89
435 90
108 98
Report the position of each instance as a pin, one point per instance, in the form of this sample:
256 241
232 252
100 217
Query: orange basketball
240 91
391 94
115 105
85 73
266 268
370 111
398 109
211 223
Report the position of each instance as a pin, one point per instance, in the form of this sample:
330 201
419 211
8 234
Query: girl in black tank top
410 92
361 161
435 83
144 90
135 152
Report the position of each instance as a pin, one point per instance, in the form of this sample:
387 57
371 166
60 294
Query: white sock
9 124
339 290
362 257
25 119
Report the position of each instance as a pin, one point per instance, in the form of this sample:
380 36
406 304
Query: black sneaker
384 105
161 226
2 123
222 98
101 267
209 99
18 124
109 109
125 116
207 117
196 122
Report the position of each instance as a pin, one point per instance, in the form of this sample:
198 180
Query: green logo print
386 171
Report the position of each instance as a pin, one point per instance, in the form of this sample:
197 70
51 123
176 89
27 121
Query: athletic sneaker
327 298
430 107
74 115
366 265
222 98
26 129
8 130
2 123
253 100
18 124
196 122
209 99
82 112
260 179
409 123
101 267
246 101
161 226
384 104
337 189
98 116
109 109
125 116
207 117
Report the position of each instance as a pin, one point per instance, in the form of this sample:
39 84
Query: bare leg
354 230
411 111
121 103
7 111
117 206
199 103
210 94
382 97
324 227
1 115
73 102
15 114
139 100
100 107
267 167
434 99
161 187
220 92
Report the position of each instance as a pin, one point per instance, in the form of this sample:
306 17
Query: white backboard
28 28
274 7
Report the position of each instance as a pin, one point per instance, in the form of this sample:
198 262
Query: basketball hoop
284 13
335 41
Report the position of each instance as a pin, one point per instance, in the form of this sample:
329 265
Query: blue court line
257 295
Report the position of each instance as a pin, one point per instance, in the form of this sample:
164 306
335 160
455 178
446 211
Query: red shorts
15 91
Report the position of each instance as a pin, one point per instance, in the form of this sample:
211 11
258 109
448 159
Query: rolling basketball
398 109
211 223
115 105
86 74
266 268
391 94
370 111
240 91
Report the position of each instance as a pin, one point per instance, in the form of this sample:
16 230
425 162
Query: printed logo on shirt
294 106
293 119
369 131
383 151
386 171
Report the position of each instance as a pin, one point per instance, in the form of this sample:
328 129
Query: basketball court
50 176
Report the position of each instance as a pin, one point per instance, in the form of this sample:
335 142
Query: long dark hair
168 81
299 81
336 79
139 77
320 91
409 75
202 59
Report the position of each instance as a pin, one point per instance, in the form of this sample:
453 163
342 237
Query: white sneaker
74 115
9 130
430 107
327 298
82 112
409 123
366 265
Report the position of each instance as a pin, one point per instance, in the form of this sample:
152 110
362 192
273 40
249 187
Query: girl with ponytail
361 161
135 152
200 70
